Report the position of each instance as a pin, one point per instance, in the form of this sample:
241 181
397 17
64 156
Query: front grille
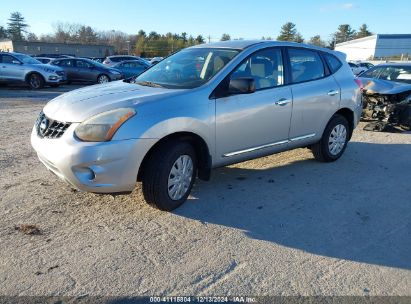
48 128
61 73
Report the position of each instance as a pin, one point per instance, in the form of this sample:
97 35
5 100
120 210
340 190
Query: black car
86 70
387 96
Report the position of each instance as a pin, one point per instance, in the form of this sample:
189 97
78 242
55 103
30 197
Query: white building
375 47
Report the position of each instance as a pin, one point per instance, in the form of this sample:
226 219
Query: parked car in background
131 68
356 69
387 96
156 60
87 70
55 55
21 68
45 60
247 99
98 59
112 60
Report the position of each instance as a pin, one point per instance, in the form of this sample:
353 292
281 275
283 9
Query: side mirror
241 86
16 62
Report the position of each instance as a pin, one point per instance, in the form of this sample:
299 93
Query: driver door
251 125
11 68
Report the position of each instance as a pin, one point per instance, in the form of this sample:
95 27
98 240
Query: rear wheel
334 140
103 79
35 81
169 175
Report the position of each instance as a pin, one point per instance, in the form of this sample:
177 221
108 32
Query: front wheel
334 140
103 79
35 81
169 175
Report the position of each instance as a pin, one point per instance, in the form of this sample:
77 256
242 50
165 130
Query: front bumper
56 79
106 167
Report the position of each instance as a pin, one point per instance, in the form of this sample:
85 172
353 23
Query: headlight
103 126
47 70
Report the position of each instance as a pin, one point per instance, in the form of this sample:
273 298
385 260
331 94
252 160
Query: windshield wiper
149 84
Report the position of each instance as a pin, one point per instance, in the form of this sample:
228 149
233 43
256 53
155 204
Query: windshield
187 69
27 59
392 73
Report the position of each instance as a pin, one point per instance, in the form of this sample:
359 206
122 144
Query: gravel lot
279 225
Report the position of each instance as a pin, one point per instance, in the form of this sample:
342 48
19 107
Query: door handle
333 92
282 102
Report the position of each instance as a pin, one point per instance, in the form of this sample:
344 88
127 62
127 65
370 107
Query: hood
43 66
380 86
78 105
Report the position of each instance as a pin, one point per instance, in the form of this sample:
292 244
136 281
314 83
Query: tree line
154 44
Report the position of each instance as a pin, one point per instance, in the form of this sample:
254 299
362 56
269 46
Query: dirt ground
279 225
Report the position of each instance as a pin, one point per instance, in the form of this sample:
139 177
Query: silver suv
204 107
21 68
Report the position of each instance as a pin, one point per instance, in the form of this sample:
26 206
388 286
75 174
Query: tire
157 180
35 81
334 140
103 78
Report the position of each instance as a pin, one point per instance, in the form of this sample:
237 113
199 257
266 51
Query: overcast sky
245 19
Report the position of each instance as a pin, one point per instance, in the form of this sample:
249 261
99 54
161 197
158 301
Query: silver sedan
204 107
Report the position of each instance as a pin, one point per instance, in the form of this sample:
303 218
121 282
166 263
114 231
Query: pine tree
16 27
225 37
316 40
344 33
363 31
3 32
288 32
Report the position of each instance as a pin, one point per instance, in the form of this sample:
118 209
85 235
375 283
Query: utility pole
209 39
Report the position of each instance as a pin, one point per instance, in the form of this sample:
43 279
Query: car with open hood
387 96
203 107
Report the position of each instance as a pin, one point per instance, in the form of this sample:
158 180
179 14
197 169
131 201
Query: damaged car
387 96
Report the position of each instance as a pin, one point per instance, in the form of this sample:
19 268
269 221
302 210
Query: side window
83 64
306 65
8 59
333 63
265 66
66 63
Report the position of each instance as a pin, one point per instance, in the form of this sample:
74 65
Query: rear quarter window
333 62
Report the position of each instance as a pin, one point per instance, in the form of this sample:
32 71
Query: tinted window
132 64
333 63
8 59
65 63
305 65
266 67
122 58
83 64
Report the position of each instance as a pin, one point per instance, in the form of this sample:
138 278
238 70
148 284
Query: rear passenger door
68 66
85 71
316 94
